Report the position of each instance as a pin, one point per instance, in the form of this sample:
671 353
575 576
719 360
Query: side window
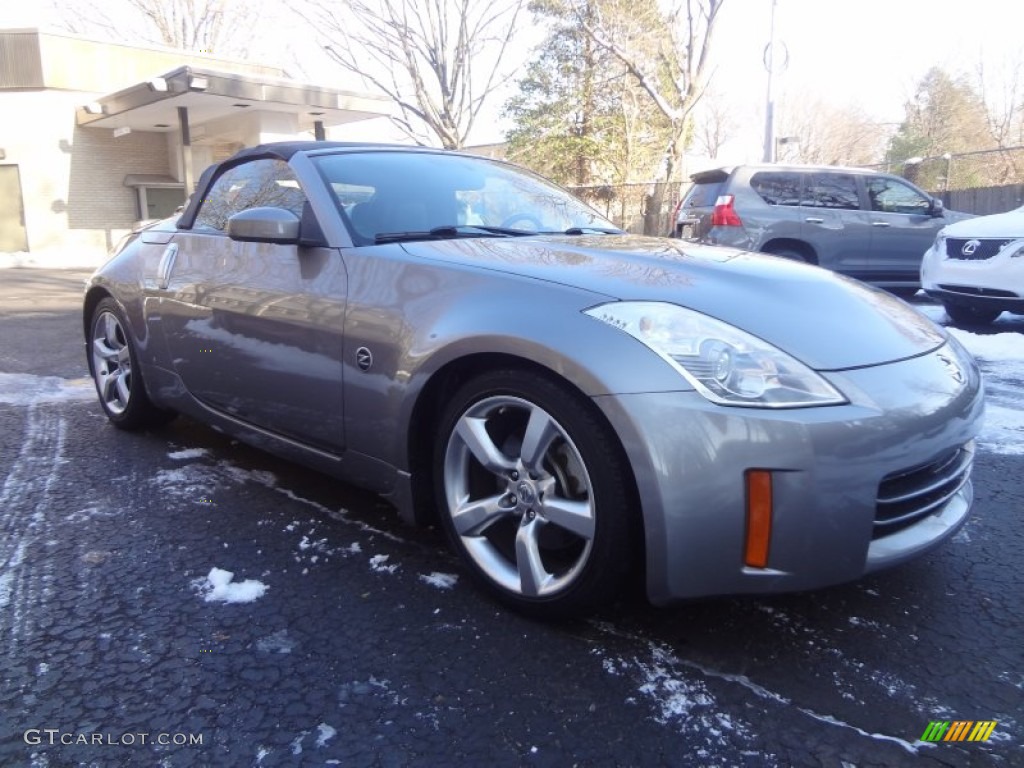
832 190
893 196
254 184
776 187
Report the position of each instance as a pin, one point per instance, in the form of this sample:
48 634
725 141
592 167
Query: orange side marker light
759 517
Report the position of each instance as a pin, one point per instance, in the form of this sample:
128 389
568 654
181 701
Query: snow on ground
218 587
27 389
188 453
71 258
325 734
677 690
278 642
439 580
379 564
1003 349
1001 357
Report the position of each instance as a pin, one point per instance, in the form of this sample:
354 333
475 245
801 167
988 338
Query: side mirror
936 208
264 225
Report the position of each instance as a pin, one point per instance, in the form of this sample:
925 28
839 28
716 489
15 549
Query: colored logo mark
959 730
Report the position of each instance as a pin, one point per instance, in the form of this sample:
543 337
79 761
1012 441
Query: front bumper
689 458
994 283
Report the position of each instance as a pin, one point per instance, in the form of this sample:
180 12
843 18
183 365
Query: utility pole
769 108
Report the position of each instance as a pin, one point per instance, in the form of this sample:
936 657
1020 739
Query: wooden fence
985 200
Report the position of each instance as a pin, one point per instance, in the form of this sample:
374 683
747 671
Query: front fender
425 316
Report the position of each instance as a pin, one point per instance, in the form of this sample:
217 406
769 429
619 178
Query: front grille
909 495
979 250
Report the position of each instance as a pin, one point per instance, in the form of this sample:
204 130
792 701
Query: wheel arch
93 297
791 244
444 382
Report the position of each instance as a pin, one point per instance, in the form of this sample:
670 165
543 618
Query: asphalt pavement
370 647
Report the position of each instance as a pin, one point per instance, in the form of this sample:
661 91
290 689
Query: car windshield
387 196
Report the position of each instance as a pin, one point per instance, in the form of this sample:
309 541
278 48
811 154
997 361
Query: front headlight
726 365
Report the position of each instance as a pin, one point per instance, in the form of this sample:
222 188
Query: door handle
880 224
163 272
814 220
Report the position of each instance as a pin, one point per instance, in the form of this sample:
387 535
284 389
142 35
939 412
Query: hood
827 321
1009 225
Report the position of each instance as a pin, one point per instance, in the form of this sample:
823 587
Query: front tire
533 493
963 314
115 371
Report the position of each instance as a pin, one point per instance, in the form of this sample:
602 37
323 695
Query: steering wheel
530 219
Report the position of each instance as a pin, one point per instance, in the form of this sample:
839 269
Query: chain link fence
982 182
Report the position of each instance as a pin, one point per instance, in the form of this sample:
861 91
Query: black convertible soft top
281 150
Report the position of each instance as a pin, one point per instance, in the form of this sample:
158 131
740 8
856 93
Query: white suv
976 268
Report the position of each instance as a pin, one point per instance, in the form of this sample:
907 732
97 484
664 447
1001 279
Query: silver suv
865 224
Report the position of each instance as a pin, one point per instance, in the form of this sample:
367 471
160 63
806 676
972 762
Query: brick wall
97 197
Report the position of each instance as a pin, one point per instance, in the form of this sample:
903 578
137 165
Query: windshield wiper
589 231
451 231
479 230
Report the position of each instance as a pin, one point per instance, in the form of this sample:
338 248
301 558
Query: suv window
777 187
257 183
894 196
702 195
832 190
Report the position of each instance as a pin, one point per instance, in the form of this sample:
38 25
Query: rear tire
115 371
533 493
963 314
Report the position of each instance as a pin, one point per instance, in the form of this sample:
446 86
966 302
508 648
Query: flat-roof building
95 136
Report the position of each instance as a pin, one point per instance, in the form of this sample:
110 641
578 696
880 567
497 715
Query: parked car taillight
724 214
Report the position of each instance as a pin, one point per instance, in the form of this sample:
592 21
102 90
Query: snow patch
1004 430
1001 347
439 580
674 695
278 642
326 733
378 564
218 587
188 453
27 389
51 258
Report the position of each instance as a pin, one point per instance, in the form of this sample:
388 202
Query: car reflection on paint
573 404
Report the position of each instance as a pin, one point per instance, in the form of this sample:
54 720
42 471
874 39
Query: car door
254 329
902 227
834 223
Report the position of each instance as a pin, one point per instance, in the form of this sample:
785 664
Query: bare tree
831 135
714 122
223 27
1001 87
667 54
438 60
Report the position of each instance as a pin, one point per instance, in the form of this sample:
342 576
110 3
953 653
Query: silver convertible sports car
571 403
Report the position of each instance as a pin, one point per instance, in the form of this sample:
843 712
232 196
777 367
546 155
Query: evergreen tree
557 115
945 116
